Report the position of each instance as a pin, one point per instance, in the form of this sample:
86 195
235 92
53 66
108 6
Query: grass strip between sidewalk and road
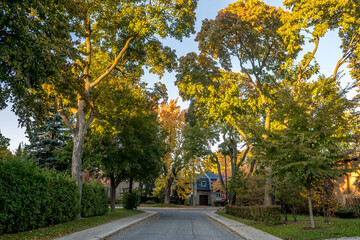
58 230
299 230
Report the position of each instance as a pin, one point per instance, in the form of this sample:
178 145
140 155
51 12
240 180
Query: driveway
177 224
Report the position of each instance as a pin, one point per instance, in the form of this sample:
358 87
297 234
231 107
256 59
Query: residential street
177 224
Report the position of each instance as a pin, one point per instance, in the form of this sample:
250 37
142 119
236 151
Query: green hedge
131 200
219 203
32 198
94 199
267 214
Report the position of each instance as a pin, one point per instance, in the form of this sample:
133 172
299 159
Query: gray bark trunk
168 191
310 208
78 142
76 163
268 195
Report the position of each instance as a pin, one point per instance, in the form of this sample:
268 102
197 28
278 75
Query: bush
131 200
220 203
94 200
150 202
31 197
267 214
353 203
345 213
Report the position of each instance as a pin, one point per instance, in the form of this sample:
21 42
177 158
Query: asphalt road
177 224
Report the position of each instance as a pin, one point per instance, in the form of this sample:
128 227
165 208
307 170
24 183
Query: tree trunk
293 211
112 193
219 170
268 195
131 184
232 198
284 209
310 208
168 190
76 172
268 198
79 134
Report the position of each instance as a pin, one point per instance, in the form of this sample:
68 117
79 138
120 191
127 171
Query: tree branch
244 156
347 54
63 115
252 167
309 60
91 119
87 27
219 170
116 61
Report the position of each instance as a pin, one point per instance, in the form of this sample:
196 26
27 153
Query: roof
203 183
213 176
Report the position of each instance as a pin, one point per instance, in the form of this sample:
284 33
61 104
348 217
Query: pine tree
4 144
46 138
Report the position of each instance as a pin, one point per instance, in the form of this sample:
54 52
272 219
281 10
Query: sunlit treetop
216 95
313 19
143 17
246 30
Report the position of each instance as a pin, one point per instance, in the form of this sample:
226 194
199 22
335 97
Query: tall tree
124 142
313 133
223 108
35 47
246 30
117 38
172 122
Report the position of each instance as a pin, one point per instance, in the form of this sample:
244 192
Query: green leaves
246 30
314 131
124 141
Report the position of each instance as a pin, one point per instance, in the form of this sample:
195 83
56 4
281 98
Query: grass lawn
62 229
298 230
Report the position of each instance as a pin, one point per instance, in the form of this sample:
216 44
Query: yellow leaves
159 185
171 116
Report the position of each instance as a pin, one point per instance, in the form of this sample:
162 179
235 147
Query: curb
106 230
242 230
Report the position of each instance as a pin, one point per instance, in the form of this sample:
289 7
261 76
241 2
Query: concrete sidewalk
108 229
244 231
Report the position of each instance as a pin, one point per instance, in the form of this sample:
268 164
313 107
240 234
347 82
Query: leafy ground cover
300 230
59 230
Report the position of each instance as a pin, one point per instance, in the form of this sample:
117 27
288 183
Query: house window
218 196
203 183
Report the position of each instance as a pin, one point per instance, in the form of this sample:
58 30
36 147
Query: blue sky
327 55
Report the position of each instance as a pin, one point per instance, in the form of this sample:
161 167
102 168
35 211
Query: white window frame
203 183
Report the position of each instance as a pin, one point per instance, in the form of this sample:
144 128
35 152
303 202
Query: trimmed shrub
267 214
131 200
31 197
353 203
94 199
65 198
219 203
345 213
150 202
